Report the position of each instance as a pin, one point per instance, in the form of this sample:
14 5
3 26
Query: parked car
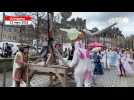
13 45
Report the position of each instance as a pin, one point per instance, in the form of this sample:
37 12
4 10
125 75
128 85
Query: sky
125 20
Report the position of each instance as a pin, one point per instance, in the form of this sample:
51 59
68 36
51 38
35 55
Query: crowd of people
88 63
85 62
102 59
119 58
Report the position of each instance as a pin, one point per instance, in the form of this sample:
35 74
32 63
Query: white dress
109 60
126 64
81 65
104 60
117 64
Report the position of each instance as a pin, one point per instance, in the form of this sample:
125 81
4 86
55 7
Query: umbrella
71 33
95 44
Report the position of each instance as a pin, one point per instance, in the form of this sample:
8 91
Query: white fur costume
81 65
125 61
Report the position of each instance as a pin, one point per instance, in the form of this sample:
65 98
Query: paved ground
37 81
109 79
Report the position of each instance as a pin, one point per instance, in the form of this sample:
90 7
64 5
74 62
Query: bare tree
35 15
36 21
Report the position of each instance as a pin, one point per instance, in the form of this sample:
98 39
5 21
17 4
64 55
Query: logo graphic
18 20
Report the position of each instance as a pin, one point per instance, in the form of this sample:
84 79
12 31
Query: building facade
17 33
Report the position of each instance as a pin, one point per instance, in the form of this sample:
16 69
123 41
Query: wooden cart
56 73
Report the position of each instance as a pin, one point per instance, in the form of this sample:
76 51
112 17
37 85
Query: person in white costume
109 58
83 70
106 59
117 63
116 58
126 60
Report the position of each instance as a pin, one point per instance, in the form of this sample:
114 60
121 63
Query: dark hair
123 51
21 49
73 46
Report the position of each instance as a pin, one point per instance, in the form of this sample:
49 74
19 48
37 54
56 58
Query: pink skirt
20 74
88 75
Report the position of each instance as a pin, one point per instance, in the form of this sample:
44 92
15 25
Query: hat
72 33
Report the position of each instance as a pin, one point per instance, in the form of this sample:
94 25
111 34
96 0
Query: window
14 29
11 45
3 36
17 30
15 38
9 30
4 29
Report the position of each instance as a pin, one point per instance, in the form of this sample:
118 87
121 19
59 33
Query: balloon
71 33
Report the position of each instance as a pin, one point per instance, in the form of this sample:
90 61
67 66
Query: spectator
71 52
133 54
44 50
98 66
19 67
65 53
1 52
8 51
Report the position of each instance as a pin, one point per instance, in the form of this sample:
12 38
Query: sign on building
18 20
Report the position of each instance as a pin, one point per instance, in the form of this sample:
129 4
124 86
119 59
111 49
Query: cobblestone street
109 79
